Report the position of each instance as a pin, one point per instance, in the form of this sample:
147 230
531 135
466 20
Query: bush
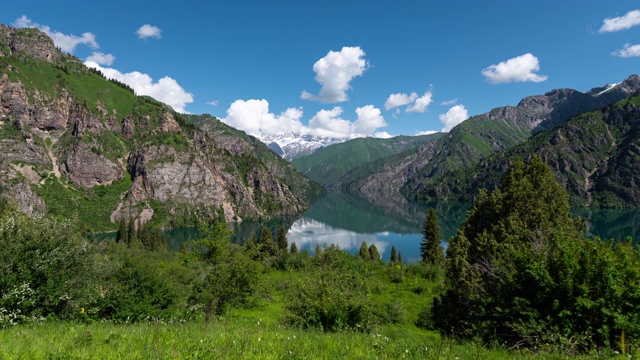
44 268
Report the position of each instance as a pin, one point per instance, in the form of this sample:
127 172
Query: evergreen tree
394 255
282 241
430 249
267 246
294 248
374 254
122 234
507 268
399 257
364 251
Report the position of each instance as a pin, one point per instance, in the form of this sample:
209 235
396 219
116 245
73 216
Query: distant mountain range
293 146
427 171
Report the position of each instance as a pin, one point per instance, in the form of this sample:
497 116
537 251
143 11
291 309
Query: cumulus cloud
518 69
213 102
253 117
628 20
449 102
101 58
399 99
453 117
421 103
66 43
328 123
149 31
415 103
369 119
382 135
334 72
166 90
426 132
628 51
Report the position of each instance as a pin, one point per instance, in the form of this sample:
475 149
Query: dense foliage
520 272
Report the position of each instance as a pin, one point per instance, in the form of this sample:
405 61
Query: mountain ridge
71 136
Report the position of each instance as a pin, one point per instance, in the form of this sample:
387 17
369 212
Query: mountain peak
31 42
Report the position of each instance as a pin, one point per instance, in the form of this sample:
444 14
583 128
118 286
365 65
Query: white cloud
66 43
449 102
518 69
166 90
334 72
101 58
399 99
213 102
628 51
253 116
328 123
369 119
426 132
421 103
382 135
453 117
629 20
149 31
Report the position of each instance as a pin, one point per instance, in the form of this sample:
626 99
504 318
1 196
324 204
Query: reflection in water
308 233
347 221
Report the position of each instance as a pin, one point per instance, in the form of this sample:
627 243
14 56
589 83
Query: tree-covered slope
483 135
595 155
330 165
77 144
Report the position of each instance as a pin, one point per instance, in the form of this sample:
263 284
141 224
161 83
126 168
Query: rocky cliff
77 144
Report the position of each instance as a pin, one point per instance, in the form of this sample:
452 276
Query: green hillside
329 165
595 156
77 144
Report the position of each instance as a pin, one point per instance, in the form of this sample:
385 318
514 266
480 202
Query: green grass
92 206
242 336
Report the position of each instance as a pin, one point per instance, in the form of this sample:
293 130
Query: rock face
95 138
594 155
418 176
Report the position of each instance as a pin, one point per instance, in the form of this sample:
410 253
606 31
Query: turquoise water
347 221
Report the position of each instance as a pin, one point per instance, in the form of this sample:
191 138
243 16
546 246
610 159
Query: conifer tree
507 267
294 248
364 251
430 249
122 234
374 254
267 246
282 241
394 255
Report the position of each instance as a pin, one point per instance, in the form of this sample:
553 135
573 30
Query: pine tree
374 254
282 241
122 234
364 251
430 249
510 248
294 248
394 256
399 257
267 246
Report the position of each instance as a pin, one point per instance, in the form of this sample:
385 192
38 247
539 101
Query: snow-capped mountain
292 146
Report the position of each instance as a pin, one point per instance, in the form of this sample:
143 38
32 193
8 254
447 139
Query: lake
347 221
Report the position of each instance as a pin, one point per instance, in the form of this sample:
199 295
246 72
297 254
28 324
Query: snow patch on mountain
291 146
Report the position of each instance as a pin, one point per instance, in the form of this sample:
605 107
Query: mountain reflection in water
347 221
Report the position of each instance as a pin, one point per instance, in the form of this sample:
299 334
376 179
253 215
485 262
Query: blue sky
331 67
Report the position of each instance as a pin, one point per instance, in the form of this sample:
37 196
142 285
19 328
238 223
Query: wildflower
81 310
